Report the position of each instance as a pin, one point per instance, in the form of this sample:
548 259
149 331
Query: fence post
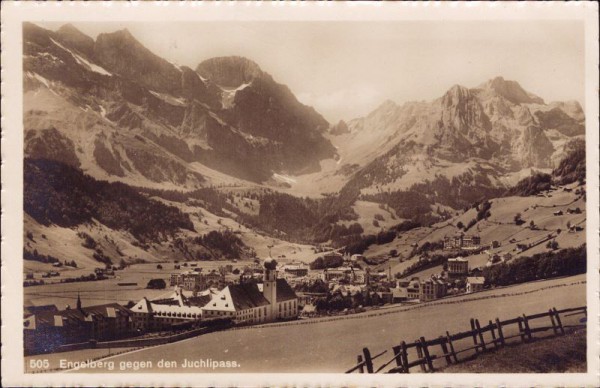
420 355
368 360
445 350
405 357
554 327
521 331
361 369
527 330
426 353
557 315
451 347
491 325
480 334
398 356
474 335
500 334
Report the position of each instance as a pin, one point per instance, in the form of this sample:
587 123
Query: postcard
313 194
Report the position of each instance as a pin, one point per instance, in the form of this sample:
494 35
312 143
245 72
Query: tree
159 267
156 284
393 253
460 225
532 225
518 220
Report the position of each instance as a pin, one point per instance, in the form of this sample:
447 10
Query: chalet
558 213
475 284
574 211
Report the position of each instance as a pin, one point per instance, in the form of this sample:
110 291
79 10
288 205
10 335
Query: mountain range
117 110
113 110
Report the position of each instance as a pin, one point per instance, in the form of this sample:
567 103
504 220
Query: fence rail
496 331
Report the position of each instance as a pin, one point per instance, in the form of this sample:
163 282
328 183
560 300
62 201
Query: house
461 241
495 244
558 213
331 274
29 309
356 258
295 269
475 283
194 280
458 267
432 288
574 211
411 287
255 303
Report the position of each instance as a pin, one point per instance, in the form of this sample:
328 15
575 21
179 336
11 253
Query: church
251 303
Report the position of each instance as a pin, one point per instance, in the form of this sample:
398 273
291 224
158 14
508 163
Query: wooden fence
498 336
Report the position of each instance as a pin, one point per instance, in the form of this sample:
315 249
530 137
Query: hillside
121 112
148 159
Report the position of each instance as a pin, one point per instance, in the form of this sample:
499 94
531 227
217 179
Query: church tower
270 287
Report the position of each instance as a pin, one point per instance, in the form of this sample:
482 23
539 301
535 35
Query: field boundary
496 339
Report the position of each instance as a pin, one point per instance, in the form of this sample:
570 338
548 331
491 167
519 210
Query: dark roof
247 295
199 301
41 309
284 291
106 310
47 318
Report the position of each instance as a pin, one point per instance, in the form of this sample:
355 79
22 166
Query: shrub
156 284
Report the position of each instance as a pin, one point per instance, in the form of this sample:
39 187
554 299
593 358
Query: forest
55 193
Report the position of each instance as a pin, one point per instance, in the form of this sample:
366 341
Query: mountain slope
159 120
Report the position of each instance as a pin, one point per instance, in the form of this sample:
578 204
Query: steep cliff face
228 114
496 129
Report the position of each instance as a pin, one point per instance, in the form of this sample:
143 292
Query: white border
13 14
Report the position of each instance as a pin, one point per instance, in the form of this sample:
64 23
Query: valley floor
332 344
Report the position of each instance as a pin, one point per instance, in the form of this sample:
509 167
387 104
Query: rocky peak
456 95
121 53
387 108
230 72
76 39
511 90
571 108
340 128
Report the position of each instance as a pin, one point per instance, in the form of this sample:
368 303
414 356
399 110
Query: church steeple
78 302
270 286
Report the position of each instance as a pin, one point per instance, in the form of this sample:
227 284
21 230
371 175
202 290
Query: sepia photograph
298 195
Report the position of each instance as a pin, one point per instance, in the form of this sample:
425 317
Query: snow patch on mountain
284 178
228 95
178 101
82 61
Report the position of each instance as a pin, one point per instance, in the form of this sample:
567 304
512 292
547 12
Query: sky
347 69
